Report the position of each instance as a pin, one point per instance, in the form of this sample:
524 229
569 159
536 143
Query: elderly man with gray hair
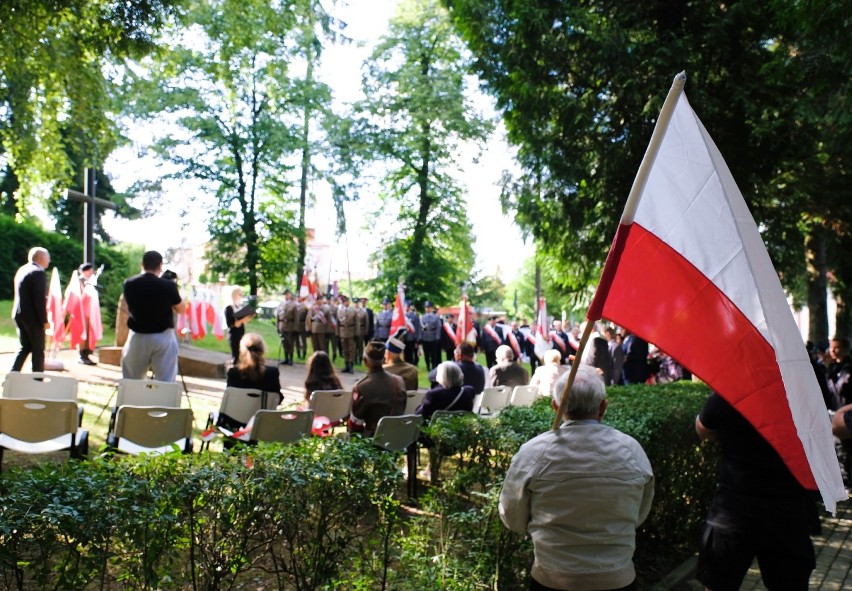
507 372
580 492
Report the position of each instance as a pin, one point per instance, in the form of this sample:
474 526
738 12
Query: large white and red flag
398 319
465 332
304 289
688 266
541 332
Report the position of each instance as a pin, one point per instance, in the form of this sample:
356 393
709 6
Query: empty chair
152 429
283 426
400 434
332 404
145 393
494 398
413 400
37 426
40 385
148 393
523 396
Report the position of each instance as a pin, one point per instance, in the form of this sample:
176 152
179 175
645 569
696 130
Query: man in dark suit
507 372
30 308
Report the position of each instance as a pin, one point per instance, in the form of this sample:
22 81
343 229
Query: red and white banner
513 342
55 311
465 333
451 333
542 335
398 319
688 265
304 290
493 334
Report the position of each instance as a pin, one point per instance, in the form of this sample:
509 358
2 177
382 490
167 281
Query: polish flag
465 333
688 265
543 343
74 307
304 290
55 311
398 319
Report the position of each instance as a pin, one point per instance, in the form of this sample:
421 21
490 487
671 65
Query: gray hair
36 253
504 353
553 357
587 393
449 375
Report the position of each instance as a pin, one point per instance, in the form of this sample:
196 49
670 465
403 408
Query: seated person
474 374
507 372
378 395
450 394
545 376
251 371
321 376
395 365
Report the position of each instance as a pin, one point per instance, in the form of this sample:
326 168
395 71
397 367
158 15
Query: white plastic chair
37 426
524 396
400 434
413 400
493 400
40 385
332 404
282 426
148 393
237 408
152 429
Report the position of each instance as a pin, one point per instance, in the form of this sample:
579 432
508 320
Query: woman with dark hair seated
321 375
449 394
251 371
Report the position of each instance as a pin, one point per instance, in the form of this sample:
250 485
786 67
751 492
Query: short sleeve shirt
149 303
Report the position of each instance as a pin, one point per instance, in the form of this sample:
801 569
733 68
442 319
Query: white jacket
580 492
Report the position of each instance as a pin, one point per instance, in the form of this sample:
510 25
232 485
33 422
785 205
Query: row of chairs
495 398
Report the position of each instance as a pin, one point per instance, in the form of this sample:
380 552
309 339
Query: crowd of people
580 491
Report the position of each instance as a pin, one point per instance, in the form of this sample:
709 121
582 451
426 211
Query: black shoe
87 361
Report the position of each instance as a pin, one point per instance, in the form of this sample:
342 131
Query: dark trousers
410 353
32 343
432 354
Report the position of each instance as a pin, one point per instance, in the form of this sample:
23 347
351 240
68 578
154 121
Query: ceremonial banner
688 265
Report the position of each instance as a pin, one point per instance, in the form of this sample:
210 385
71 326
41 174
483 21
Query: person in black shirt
759 509
30 308
151 305
251 371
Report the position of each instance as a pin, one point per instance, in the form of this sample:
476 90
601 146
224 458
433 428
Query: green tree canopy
414 118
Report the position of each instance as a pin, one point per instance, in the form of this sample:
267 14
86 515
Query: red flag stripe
665 300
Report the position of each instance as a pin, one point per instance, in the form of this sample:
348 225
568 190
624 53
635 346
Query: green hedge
66 255
323 513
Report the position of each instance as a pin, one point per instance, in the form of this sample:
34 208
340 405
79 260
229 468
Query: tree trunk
817 270
843 316
306 165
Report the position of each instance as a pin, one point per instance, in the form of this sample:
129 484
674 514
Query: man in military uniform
378 395
317 321
383 321
395 365
370 332
430 335
301 332
347 325
332 332
412 337
287 316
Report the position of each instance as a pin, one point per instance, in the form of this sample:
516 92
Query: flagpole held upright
653 148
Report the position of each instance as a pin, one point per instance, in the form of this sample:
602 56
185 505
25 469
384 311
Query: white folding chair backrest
494 398
398 432
333 404
148 393
36 425
241 403
413 400
152 429
523 395
40 385
284 426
